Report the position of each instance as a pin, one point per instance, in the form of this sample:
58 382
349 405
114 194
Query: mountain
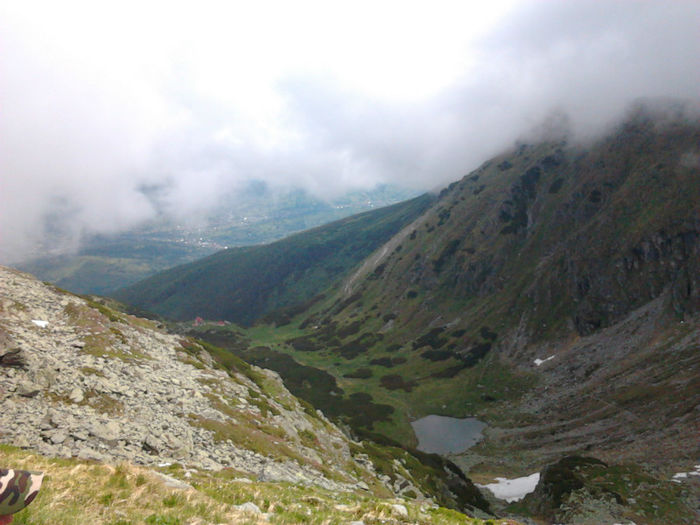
554 293
111 407
244 284
254 214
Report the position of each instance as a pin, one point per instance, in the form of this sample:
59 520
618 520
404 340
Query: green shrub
360 373
395 382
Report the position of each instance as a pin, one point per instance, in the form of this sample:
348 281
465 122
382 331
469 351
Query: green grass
481 389
82 493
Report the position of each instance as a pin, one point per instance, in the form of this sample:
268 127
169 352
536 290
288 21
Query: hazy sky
101 99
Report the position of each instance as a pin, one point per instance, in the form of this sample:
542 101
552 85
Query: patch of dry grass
86 493
77 492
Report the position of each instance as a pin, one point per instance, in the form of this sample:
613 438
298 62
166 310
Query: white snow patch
678 476
513 489
40 323
538 362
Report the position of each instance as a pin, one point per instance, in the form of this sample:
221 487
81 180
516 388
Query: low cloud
112 119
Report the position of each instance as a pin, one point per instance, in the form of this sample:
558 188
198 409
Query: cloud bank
98 103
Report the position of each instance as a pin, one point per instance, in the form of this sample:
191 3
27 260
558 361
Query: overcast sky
101 99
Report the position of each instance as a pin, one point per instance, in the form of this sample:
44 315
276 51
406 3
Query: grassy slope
325 379
243 284
77 492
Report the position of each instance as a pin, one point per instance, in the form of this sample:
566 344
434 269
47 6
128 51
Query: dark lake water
447 435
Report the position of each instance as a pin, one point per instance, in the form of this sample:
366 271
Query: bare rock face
80 379
76 395
27 388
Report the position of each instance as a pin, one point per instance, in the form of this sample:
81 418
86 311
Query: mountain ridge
539 246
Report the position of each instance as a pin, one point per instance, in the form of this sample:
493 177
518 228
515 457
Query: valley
553 294
113 407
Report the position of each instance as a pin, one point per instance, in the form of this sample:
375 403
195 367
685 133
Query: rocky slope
558 238
93 384
83 380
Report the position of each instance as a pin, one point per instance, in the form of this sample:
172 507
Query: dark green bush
360 373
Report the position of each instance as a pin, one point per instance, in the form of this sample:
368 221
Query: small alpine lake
447 435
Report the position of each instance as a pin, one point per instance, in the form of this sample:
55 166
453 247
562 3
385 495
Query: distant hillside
244 284
255 214
106 264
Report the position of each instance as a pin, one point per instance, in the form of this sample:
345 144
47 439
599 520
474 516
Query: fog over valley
103 103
